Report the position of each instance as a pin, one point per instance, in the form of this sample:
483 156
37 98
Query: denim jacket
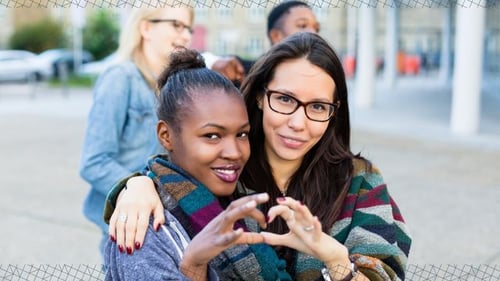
120 136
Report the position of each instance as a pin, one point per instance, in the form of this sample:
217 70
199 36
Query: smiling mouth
178 47
229 175
292 143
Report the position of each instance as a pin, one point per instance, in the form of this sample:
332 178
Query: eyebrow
302 19
283 91
222 127
308 20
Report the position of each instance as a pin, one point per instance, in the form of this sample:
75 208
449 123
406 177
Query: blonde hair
131 39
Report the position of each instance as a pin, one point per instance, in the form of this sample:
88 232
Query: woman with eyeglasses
120 132
330 214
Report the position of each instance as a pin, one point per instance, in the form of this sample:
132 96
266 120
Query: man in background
285 19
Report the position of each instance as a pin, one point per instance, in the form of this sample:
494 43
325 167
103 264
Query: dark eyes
243 135
284 99
215 136
318 107
211 136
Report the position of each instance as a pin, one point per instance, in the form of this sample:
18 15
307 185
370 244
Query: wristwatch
352 273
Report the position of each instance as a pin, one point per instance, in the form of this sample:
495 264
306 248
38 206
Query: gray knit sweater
158 259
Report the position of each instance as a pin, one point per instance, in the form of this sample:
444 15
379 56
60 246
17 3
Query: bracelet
352 273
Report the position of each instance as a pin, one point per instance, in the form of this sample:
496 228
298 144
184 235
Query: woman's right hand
305 233
130 219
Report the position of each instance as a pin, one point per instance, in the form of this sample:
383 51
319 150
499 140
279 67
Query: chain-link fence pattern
94 272
50 272
243 3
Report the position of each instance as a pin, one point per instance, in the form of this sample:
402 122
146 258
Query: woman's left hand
305 233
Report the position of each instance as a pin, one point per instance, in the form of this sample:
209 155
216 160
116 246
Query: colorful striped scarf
370 226
195 206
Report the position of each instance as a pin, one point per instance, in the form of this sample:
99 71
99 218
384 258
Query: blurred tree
38 36
100 34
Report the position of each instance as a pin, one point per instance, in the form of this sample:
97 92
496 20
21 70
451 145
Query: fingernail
157 227
267 219
120 248
301 203
281 199
137 245
262 196
251 204
129 250
112 238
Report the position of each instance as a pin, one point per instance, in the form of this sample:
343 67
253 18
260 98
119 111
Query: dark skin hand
220 234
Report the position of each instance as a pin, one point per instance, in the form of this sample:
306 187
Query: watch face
352 273
326 274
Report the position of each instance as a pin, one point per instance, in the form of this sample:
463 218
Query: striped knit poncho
370 226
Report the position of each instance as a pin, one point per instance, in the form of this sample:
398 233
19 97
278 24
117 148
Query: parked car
93 69
19 65
66 57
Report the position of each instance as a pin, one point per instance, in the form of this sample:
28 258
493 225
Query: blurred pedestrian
121 123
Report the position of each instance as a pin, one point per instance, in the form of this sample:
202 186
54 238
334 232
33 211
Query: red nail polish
120 248
301 203
129 250
267 219
281 199
137 245
157 228
112 238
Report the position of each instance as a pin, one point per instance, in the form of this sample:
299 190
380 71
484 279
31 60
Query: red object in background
199 38
349 66
401 62
408 64
411 65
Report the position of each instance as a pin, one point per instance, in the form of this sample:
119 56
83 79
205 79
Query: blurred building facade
242 31
395 41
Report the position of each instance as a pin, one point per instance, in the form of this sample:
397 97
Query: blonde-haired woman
122 120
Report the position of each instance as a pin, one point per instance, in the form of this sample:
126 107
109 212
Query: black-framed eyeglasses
178 25
286 104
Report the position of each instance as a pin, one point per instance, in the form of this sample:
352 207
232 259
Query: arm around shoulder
114 193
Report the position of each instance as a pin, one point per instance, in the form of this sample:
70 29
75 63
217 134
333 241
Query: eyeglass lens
286 104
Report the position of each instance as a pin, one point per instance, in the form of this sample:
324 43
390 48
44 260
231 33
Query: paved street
447 187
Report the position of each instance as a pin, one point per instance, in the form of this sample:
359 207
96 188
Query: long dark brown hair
323 178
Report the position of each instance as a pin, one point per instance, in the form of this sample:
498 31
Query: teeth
292 140
227 172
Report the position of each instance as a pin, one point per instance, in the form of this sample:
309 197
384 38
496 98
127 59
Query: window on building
221 46
256 14
201 14
224 14
255 47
